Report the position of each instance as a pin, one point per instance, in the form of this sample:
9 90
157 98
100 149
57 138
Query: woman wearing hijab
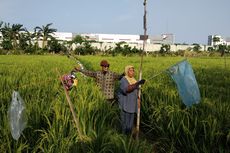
127 98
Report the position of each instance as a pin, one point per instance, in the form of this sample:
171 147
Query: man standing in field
105 79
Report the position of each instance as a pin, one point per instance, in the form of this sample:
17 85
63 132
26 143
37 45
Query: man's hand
77 69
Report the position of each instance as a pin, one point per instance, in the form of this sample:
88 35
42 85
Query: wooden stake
140 71
72 110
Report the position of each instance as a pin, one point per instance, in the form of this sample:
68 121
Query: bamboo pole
72 111
79 132
140 72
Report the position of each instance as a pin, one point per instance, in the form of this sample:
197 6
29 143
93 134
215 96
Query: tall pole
140 71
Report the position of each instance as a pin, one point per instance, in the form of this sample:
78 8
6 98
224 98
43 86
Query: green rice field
167 125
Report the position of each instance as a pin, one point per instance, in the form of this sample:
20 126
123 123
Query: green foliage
196 47
211 49
56 47
11 34
202 128
78 39
228 49
165 48
123 49
45 33
85 49
216 39
7 44
166 124
222 49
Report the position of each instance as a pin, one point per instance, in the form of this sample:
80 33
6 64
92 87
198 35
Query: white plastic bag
17 115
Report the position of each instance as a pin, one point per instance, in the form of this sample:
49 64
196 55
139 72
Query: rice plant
167 125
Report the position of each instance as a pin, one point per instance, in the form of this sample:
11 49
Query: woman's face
131 72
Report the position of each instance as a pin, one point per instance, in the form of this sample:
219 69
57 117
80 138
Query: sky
190 21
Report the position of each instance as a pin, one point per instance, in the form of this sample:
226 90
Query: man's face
105 68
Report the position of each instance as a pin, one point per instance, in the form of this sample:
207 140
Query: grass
166 124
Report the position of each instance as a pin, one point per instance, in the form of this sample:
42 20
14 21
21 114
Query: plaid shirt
104 81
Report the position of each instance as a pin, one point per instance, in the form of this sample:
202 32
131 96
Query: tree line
16 39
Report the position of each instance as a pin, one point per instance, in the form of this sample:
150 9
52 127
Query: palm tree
45 32
1 23
29 36
15 33
6 31
6 42
12 33
37 34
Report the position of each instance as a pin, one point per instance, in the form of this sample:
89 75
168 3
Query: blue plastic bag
183 76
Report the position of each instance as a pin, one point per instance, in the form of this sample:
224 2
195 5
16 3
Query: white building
64 36
154 43
227 39
130 39
219 40
167 38
114 38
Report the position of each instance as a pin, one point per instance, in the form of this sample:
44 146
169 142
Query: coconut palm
1 23
37 34
12 33
45 32
25 40
29 36
15 33
6 31
7 41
